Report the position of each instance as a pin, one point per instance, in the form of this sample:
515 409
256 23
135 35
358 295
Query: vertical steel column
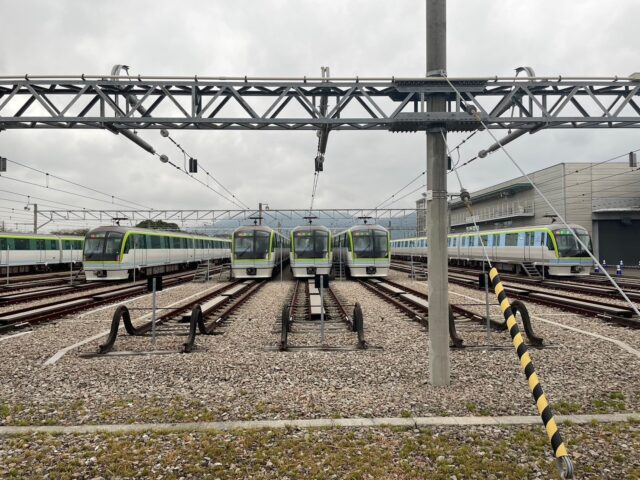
437 204
35 218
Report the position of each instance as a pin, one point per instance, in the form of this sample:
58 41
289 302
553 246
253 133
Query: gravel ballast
238 374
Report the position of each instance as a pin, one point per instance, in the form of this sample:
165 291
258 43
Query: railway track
301 315
611 313
29 316
595 284
415 304
42 280
204 314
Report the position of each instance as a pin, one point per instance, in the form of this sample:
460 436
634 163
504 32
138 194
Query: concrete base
410 422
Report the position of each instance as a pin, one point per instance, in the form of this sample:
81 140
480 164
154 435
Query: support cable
316 177
563 460
542 195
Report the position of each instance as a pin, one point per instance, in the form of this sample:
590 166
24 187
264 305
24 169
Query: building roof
506 191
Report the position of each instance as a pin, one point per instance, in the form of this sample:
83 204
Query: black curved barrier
456 340
358 325
518 307
196 322
285 327
121 313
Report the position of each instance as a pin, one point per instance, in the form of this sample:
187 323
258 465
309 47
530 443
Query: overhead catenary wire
41 198
207 173
51 175
200 181
406 195
62 191
555 211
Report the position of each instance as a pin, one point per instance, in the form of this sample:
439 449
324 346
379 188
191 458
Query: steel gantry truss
338 217
395 104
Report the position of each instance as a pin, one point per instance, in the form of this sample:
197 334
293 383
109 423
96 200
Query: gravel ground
453 453
232 375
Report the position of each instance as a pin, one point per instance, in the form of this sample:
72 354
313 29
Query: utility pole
260 214
35 218
437 203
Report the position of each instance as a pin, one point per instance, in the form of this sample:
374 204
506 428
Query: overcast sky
294 38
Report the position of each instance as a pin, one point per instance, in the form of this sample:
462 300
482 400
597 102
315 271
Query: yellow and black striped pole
544 409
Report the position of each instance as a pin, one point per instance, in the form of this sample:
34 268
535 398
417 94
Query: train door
139 250
4 243
528 237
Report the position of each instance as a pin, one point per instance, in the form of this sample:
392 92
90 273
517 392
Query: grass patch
435 453
566 408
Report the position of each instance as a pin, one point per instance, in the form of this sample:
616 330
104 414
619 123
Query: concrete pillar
437 206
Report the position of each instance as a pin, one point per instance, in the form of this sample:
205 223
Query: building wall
578 191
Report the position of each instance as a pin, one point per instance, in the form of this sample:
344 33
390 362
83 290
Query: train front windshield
251 245
567 244
311 244
102 246
370 244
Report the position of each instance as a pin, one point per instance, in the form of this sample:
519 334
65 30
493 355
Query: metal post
7 261
70 261
437 205
413 274
486 301
340 256
207 269
281 247
35 218
260 214
321 311
153 312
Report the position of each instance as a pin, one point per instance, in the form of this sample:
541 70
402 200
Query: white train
310 251
23 253
364 249
257 250
112 253
548 249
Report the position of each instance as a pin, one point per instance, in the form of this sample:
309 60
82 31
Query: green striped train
22 253
364 250
551 250
310 251
257 251
114 253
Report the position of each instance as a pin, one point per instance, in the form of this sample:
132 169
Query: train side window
3 244
153 242
485 240
511 240
21 243
537 239
175 242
